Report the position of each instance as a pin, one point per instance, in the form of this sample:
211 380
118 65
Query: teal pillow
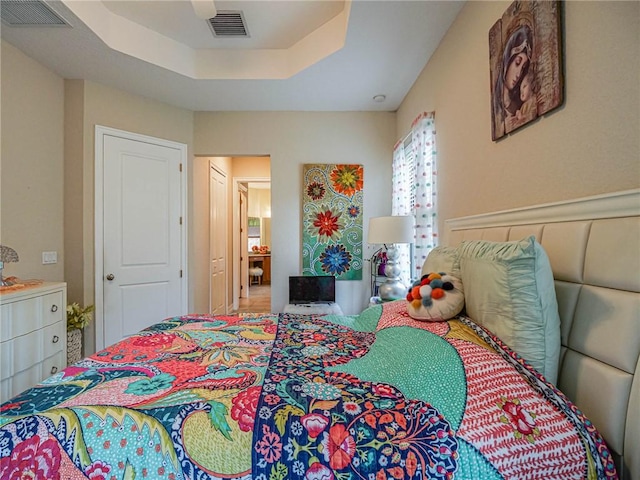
509 289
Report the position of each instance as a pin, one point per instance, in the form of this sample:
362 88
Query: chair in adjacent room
255 276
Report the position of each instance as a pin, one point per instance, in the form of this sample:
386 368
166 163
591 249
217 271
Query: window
253 232
414 191
253 242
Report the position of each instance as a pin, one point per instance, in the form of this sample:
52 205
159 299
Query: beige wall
90 104
32 157
200 234
252 167
76 177
259 202
293 139
590 145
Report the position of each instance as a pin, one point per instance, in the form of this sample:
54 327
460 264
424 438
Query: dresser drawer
27 315
53 364
22 381
20 318
32 375
54 340
21 352
6 359
33 337
53 308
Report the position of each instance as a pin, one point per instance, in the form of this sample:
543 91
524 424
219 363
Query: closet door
218 241
142 234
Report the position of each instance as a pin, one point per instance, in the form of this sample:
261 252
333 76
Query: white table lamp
390 231
205 9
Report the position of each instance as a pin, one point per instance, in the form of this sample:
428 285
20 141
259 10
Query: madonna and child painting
526 65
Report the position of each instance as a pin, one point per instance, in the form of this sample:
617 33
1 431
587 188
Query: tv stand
328 308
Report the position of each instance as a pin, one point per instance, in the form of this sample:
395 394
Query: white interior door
142 235
218 241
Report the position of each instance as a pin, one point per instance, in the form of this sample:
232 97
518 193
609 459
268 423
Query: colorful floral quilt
374 396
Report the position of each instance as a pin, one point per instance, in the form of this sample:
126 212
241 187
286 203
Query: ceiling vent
228 23
30 13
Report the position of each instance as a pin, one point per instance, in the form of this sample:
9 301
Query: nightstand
313 309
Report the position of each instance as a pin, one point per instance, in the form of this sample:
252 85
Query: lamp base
2 282
392 289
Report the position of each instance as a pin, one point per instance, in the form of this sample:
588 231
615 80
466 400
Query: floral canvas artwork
332 220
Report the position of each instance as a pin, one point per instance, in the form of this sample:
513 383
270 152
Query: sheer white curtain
414 191
402 191
423 139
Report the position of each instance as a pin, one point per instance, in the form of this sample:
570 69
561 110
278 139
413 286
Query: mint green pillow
509 289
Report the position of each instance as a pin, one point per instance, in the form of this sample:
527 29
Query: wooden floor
259 300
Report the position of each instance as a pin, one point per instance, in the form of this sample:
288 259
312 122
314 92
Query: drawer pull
54 370
54 308
55 339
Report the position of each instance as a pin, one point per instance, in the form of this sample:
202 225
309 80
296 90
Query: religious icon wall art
332 220
525 56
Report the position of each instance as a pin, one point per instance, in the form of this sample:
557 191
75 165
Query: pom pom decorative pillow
435 297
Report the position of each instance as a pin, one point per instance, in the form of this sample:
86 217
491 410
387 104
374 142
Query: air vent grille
29 13
229 23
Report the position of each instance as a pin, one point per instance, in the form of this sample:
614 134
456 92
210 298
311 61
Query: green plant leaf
218 417
77 316
282 415
278 472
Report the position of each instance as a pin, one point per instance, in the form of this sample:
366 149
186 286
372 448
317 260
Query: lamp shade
205 9
388 230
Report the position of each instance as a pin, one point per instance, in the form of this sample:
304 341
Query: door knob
110 277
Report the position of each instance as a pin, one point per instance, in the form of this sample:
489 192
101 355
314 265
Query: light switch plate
49 257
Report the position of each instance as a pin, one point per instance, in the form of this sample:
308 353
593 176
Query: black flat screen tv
320 289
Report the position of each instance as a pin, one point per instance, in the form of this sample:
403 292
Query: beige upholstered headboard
594 247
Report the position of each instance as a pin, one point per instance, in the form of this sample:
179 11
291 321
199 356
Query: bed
378 395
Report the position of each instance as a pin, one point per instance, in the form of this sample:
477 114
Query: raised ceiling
302 55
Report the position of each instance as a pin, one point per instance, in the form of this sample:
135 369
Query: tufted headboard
594 247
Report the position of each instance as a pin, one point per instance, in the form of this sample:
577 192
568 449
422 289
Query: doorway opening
251 229
255 247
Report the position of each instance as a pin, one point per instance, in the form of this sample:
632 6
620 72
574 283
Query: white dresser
33 336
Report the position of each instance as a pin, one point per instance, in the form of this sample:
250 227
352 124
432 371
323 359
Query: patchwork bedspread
374 396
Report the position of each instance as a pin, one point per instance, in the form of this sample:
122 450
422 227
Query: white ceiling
301 55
